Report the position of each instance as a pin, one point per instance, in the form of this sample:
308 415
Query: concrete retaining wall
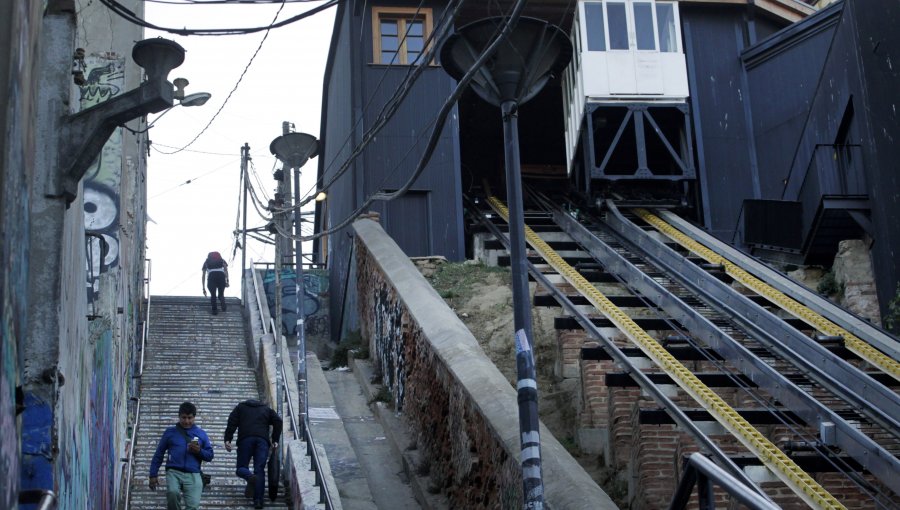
464 412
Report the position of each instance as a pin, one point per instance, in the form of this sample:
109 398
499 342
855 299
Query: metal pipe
526 385
324 494
301 290
145 332
738 490
245 157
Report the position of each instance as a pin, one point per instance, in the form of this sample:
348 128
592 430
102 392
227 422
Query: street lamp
517 71
294 150
195 99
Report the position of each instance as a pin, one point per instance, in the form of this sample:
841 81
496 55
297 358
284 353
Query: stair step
196 356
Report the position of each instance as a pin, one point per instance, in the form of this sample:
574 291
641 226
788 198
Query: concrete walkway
366 463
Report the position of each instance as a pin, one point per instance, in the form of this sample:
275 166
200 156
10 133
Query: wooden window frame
401 13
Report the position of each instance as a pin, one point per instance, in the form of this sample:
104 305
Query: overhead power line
503 33
233 90
131 17
390 107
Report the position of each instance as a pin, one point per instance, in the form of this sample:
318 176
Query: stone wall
853 272
463 411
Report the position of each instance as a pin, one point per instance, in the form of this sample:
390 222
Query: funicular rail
756 364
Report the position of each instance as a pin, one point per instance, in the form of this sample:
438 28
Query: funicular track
830 394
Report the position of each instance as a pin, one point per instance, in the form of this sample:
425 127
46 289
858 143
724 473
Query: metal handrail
324 493
704 473
145 332
44 499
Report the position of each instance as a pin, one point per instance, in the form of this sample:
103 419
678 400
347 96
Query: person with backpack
252 420
215 277
188 446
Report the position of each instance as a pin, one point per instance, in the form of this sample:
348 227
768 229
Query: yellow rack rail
862 349
784 468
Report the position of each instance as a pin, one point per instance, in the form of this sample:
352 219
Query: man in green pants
188 446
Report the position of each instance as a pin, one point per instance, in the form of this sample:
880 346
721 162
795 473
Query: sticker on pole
522 344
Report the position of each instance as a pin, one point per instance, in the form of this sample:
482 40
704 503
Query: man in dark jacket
252 420
188 445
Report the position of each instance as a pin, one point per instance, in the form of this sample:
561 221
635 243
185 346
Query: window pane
388 27
387 57
414 44
665 22
415 28
643 26
618 26
593 24
390 43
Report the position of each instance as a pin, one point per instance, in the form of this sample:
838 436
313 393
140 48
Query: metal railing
145 331
303 424
705 474
43 498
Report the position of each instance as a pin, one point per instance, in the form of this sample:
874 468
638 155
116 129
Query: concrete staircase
196 356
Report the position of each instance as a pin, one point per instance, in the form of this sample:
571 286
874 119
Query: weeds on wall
383 395
351 344
892 319
457 280
829 285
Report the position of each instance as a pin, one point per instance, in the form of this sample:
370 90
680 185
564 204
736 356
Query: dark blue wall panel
338 139
782 80
428 221
393 156
713 40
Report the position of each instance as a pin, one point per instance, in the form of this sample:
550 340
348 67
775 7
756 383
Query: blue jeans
256 448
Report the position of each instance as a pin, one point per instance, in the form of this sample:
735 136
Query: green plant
458 280
569 444
892 319
352 342
383 395
829 285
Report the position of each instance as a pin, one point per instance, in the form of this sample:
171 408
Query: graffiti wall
95 354
316 305
105 75
315 301
88 426
20 21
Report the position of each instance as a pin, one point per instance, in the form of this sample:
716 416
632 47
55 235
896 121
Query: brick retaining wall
463 411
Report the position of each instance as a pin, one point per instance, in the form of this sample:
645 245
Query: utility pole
294 150
245 159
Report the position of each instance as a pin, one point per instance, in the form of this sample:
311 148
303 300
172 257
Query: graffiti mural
93 405
22 28
316 305
288 298
388 339
105 75
315 301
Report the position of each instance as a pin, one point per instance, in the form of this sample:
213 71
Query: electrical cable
236 85
226 2
508 25
133 18
240 207
388 109
191 180
152 146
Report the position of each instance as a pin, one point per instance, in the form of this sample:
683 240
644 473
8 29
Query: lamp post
518 70
294 150
196 99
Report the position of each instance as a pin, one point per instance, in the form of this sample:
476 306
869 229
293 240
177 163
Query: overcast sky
283 83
